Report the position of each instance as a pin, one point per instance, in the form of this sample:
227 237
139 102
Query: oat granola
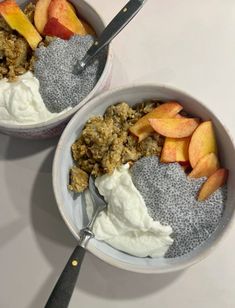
105 142
16 57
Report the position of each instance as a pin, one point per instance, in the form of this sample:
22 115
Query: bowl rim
64 116
91 248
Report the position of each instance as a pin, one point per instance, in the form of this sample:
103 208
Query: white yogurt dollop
21 102
126 225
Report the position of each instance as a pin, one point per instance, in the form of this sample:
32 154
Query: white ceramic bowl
73 210
55 126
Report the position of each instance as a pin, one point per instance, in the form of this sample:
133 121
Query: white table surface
186 43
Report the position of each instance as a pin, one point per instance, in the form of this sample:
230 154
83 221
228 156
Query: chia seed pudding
154 209
60 87
171 198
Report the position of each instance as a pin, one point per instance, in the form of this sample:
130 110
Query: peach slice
88 28
18 21
61 10
41 14
54 28
174 128
72 7
175 150
179 116
206 166
203 142
215 181
142 127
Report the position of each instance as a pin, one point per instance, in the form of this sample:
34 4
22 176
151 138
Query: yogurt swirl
21 102
126 224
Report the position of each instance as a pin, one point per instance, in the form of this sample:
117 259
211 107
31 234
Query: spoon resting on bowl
110 32
63 289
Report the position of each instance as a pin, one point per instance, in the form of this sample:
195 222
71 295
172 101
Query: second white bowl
73 210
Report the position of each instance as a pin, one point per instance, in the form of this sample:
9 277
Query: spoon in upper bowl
63 289
109 33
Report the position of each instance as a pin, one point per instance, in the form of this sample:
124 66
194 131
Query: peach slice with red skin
62 11
46 25
215 181
174 128
41 14
203 142
55 28
18 21
142 128
175 150
206 166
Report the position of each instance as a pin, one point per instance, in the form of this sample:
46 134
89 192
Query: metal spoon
63 290
109 33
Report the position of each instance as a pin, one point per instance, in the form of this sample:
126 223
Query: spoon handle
63 289
113 28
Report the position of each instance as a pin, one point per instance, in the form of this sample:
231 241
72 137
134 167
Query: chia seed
171 198
60 87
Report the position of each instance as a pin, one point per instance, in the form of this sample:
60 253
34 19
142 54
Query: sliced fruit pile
52 17
187 141
58 18
18 21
